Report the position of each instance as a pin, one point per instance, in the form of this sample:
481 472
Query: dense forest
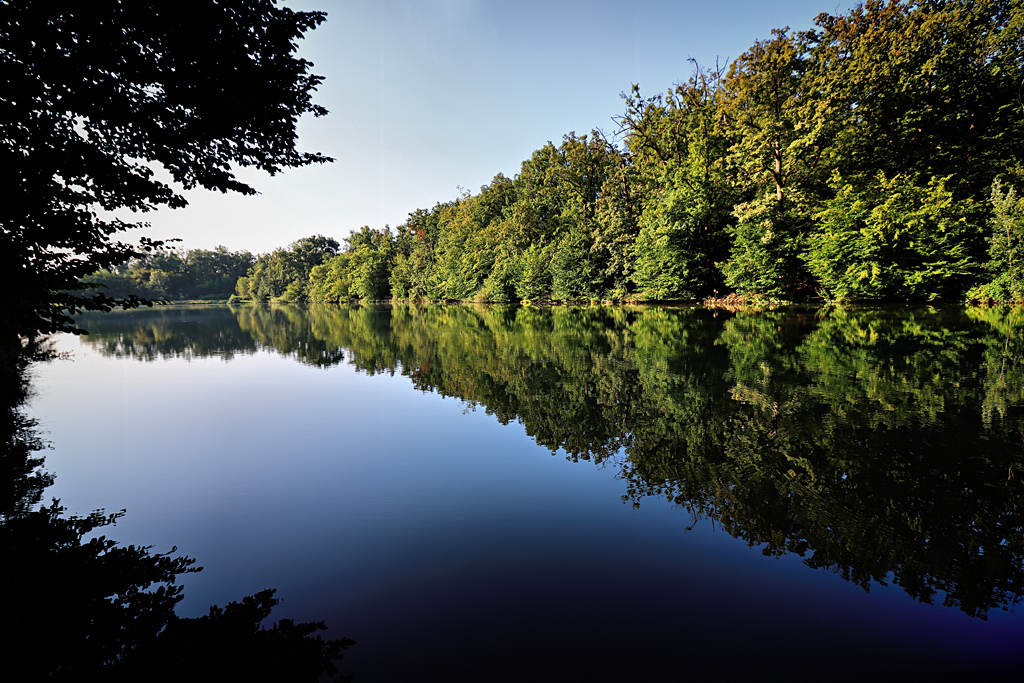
876 156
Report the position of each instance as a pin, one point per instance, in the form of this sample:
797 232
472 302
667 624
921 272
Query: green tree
213 273
1006 270
166 274
370 255
580 267
533 274
284 273
619 209
896 240
312 251
776 153
467 244
270 276
331 281
360 272
924 88
680 150
415 254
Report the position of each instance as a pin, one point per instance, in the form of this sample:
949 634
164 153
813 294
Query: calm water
572 494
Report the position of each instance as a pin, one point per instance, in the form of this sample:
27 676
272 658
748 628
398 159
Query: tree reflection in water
880 444
79 606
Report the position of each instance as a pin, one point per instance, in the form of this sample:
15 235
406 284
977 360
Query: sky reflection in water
449 545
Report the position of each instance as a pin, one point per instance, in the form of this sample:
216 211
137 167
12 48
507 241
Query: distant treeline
871 157
167 274
218 274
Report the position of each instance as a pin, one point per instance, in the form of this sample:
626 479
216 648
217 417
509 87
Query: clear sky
427 96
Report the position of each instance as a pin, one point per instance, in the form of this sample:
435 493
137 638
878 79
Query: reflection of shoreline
865 440
115 603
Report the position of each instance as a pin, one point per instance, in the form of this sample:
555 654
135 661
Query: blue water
451 547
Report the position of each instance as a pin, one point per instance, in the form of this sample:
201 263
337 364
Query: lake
571 493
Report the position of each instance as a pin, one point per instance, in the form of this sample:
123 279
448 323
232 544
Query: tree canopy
877 156
109 106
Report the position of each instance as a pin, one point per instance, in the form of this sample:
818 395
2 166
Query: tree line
876 156
167 274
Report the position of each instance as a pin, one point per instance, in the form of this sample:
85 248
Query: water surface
503 493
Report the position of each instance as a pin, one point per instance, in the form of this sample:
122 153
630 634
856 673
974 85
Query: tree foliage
98 96
679 149
855 160
167 274
360 272
284 273
1005 248
894 240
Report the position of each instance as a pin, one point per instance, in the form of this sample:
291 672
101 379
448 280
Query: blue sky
429 96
